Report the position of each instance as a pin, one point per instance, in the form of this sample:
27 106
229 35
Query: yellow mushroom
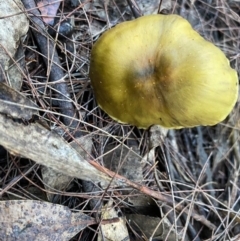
158 70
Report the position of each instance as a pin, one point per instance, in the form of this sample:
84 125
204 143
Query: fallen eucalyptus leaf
112 231
15 104
14 25
154 227
36 220
124 161
45 147
59 181
48 9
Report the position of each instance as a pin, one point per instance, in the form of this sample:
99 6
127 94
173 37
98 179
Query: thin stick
158 195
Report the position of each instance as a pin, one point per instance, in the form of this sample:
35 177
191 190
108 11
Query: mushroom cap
158 70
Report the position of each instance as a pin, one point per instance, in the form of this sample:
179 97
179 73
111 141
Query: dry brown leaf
45 147
15 104
48 9
14 25
112 231
35 220
154 227
59 181
124 161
